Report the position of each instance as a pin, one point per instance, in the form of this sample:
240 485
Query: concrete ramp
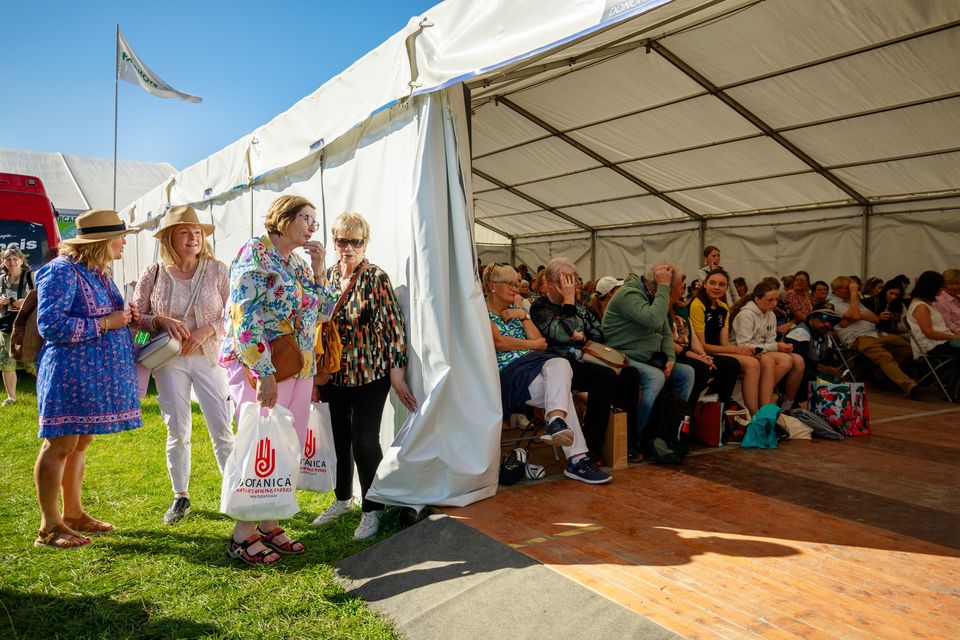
442 580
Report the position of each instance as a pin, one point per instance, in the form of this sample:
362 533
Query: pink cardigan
208 308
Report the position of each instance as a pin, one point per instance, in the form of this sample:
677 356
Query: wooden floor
817 539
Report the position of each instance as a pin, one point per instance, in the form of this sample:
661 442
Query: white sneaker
368 527
334 511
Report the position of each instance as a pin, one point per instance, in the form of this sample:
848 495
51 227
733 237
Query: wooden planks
733 544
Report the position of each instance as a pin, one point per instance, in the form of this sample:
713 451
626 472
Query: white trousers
551 390
209 383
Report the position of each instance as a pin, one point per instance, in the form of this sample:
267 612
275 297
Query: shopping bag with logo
261 474
708 421
843 406
318 464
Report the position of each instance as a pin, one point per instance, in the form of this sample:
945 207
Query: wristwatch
525 317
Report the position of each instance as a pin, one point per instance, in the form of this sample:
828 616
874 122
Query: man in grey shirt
858 330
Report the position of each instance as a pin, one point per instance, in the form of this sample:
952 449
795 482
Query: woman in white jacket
755 325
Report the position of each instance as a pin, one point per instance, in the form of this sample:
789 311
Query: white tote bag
262 472
318 464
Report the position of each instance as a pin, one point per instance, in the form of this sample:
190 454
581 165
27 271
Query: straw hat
97 225
182 214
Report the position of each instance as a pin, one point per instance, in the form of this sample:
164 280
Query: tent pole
703 235
513 251
593 255
116 103
865 239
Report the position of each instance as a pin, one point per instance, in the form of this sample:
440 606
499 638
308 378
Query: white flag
131 68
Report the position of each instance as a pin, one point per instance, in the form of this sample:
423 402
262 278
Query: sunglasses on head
356 243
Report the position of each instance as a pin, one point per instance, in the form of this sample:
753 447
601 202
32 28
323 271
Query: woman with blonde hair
184 294
948 301
273 292
16 281
374 359
86 375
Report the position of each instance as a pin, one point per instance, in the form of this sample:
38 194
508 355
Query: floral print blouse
512 329
266 293
370 325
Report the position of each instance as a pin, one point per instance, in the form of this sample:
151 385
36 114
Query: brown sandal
60 540
88 524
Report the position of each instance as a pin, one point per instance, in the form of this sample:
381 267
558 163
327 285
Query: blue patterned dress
86 380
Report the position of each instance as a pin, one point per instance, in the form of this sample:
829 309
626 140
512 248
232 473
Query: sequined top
266 292
371 327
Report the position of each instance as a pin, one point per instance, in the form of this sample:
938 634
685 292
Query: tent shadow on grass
33 615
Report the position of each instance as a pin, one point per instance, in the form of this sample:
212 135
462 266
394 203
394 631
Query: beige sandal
60 540
88 524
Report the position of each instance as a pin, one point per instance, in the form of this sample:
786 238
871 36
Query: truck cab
27 218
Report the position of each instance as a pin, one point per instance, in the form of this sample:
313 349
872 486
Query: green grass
150 580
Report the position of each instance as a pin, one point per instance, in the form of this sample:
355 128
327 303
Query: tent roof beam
755 120
508 73
599 158
532 200
489 227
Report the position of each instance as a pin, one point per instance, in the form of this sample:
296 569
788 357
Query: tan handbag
329 345
286 356
599 353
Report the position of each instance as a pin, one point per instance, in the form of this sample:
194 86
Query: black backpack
667 435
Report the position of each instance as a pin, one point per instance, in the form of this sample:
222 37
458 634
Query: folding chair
937 364
850 358
530 430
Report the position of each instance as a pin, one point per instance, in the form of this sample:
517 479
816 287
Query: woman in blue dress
86 374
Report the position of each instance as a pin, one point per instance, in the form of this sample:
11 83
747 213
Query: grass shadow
28 615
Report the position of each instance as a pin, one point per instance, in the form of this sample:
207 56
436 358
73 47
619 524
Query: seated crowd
772 339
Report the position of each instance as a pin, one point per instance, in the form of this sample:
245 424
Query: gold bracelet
103 324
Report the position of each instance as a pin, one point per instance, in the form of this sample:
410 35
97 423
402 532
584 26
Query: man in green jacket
637 323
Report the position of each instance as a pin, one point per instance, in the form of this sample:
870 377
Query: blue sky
249 61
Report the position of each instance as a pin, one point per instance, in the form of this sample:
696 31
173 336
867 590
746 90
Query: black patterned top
371 328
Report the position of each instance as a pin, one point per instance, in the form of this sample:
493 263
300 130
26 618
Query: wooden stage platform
817 539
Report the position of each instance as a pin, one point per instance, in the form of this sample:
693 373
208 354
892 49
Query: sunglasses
356 243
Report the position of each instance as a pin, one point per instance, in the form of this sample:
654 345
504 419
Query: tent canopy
614 132
76 184
717 113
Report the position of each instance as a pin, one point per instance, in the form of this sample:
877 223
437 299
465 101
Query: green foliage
150 580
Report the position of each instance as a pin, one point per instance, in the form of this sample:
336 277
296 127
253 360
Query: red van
27 218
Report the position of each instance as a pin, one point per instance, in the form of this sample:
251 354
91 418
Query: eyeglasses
512 285
356 243
310 220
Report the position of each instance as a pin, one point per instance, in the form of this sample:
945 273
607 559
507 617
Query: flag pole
116 102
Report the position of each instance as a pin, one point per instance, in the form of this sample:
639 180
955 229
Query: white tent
75 184
820 134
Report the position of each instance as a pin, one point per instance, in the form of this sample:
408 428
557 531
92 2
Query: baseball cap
606 284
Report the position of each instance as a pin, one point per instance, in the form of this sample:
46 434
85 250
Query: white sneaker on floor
337 509
368 527
7 402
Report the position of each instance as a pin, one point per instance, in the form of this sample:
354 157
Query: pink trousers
293 394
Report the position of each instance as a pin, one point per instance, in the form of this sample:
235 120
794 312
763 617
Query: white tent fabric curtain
405 171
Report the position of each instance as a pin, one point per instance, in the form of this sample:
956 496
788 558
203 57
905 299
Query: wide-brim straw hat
182 214
97 225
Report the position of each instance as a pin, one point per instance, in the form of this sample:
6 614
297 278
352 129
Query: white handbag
159 351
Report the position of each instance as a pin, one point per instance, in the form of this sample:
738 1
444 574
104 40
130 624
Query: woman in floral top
374 357
273 292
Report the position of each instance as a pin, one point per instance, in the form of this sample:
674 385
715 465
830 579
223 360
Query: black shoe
177 511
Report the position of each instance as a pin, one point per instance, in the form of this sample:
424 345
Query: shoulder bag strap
346 293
